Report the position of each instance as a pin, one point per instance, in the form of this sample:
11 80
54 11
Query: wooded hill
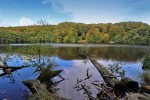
69 32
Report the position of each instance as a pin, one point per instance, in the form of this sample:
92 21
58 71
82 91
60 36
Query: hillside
69 32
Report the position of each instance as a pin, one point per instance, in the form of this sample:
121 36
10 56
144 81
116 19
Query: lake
65 57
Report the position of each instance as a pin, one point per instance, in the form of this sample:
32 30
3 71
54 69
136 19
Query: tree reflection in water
41 60
7 71
37 58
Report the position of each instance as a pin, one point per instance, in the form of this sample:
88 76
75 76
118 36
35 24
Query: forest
70 32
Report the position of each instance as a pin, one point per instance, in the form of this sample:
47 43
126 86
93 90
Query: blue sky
28 12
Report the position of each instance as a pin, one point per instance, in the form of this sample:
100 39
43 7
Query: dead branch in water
112 87
109 78
12 67
9 69
81 80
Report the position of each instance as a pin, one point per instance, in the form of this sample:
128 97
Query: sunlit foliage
69 32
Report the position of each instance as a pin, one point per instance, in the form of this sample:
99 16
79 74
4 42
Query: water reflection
122 53
132 69
66 59
72 73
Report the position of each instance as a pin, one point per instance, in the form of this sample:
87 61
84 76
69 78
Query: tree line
70 32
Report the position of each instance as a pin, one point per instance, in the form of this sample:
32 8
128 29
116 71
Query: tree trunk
109 78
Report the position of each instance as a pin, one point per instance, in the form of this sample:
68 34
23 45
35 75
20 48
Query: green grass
146 62
146 77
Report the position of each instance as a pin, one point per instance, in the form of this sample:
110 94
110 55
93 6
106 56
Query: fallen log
9 69
132 86
109 78
6 70
12 67
125 85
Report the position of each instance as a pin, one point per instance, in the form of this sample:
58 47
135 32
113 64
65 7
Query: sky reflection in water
73 67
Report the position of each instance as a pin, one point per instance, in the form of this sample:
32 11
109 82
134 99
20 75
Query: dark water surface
65 56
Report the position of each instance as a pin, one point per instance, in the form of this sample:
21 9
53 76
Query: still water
65 57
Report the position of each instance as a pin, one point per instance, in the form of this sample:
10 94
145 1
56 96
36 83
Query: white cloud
25 21
101 11
93 11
